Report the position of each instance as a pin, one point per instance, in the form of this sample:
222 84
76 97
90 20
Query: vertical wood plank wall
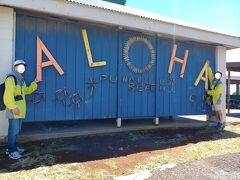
103 96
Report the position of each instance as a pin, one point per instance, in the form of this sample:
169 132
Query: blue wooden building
115 60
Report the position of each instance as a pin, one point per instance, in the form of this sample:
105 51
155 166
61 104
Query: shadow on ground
236 115
97 147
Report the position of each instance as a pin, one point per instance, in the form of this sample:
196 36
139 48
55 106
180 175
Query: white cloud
233 55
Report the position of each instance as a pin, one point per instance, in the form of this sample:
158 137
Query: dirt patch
114 154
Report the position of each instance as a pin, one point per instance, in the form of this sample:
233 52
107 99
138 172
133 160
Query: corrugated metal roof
126 17
143 14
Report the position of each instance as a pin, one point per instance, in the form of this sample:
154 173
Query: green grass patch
43 158
72 171
222 143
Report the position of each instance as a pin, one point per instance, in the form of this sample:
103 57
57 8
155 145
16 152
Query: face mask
21 69
217 75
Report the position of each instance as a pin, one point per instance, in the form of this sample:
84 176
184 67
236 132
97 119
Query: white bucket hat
18 62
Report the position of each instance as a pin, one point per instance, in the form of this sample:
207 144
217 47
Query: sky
220 15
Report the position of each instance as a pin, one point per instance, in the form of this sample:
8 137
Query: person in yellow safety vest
14 99
216 92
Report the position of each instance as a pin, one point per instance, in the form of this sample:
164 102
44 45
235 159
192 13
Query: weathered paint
109 98
7 19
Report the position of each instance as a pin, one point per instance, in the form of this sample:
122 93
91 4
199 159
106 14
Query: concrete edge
45 136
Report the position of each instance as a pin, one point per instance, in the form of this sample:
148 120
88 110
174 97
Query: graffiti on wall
134 84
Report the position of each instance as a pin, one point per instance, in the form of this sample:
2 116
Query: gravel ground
225 167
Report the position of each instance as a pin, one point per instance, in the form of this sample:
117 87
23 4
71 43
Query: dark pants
14 128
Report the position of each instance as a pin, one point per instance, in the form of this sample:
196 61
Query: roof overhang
234 79
90 13
233 66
